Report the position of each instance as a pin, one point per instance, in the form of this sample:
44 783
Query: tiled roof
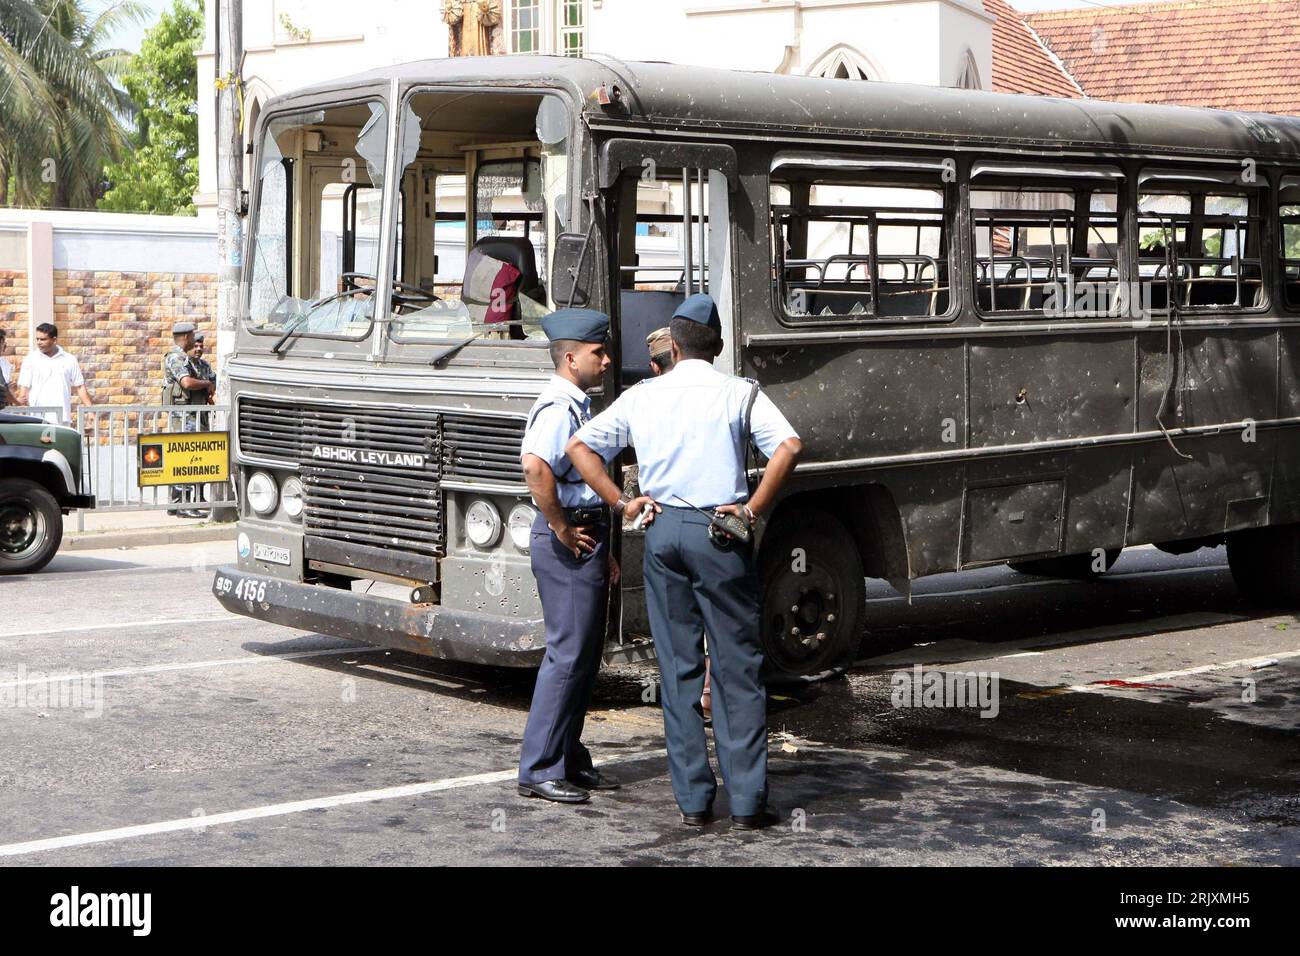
1021 64
1230 54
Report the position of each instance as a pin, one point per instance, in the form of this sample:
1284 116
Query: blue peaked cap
702 309
578 325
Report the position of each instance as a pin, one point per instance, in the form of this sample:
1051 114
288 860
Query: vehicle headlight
521 525
483 523
261 493
291 497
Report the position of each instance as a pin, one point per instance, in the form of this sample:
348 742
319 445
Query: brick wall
13 301
117 324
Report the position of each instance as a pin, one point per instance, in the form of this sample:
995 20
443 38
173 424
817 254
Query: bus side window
1200 244
1045 245
667 212
854 245
1289 227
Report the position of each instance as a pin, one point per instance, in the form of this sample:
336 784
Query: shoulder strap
574 414
746 423
746 432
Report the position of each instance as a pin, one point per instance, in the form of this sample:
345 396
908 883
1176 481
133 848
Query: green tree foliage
161 173
61 117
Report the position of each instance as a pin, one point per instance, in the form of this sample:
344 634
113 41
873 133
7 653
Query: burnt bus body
1008 330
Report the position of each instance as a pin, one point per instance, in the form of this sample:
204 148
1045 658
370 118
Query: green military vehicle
40 482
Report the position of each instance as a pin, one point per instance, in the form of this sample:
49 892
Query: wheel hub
803 609
19 527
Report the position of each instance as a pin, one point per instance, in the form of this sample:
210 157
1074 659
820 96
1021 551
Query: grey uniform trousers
574 593
692 586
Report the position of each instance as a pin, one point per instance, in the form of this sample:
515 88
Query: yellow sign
183 458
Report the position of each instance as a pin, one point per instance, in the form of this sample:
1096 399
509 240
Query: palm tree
61 117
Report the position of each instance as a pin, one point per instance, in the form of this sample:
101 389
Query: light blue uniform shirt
685 426
553 423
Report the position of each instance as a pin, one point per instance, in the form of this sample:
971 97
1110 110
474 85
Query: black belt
590 514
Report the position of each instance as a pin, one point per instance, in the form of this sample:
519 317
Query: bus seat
641 312
911 298
1010 295
518 251
1222 290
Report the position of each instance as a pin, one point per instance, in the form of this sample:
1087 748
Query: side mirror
572 269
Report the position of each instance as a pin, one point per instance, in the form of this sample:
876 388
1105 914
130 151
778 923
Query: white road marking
227 618
437 680
281 809
56 575
1186 672
191 665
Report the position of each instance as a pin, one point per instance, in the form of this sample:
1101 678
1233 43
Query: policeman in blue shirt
570 557
688 429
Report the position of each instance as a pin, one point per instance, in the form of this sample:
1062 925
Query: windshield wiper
289 332
443 357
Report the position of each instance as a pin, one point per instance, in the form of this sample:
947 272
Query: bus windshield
485 194
320 184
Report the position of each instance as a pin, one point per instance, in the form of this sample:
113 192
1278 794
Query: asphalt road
1131 722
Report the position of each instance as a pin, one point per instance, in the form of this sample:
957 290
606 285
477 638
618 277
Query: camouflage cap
659 341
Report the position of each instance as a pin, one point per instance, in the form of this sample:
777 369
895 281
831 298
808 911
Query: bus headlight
483 523
291 497
521 525
261 493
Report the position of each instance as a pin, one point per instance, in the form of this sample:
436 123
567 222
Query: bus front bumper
418 628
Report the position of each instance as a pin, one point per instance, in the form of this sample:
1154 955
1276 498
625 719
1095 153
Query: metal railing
110 466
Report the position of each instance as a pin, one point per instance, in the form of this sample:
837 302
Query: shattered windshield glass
479 245
321 185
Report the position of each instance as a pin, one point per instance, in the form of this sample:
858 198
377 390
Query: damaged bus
1009 329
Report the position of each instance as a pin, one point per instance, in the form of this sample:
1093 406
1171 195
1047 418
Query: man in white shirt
691 430
50 374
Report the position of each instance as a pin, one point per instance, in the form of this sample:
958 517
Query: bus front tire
31 526
813 601
1265 563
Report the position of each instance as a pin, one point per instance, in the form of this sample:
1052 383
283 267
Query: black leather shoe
756 821
561 791
703 818
594 780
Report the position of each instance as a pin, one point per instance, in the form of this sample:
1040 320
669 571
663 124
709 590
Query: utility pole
230 182
229 40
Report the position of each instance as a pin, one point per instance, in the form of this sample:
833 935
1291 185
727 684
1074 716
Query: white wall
111 242
904 41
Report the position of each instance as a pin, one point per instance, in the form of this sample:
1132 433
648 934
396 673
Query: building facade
293 43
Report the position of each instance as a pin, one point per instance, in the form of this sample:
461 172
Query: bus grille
483 449
371 477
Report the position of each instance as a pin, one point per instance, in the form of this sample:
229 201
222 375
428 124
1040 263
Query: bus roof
704 99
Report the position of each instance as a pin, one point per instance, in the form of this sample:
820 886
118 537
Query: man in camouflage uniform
204 370
183 386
